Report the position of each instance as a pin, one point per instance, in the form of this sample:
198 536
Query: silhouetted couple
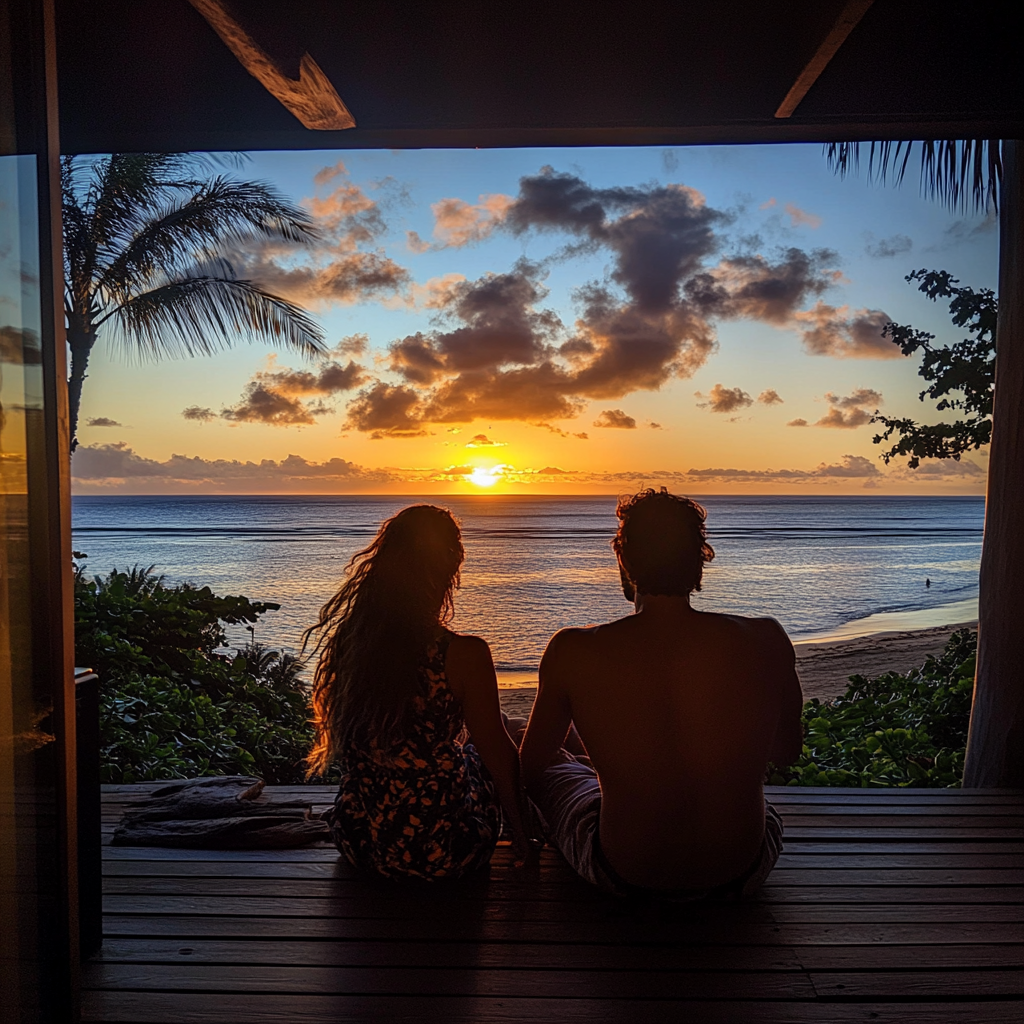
646 749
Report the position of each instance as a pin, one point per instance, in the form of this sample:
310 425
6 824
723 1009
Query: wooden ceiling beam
846 23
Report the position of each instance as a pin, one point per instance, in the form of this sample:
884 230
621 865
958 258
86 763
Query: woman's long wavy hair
373 634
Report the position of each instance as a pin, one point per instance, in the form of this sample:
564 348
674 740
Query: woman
394 694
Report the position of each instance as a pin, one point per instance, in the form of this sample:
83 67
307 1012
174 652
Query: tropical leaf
202 314
963 174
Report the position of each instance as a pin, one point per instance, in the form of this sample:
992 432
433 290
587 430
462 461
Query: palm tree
147 247
961 173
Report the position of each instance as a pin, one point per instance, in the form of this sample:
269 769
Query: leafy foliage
897 730
172 705
147 241
962 174
960 376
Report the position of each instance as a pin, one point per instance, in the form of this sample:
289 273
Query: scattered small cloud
850 411
198 414
851 467
835 331
798 217
769 397
888 248
722 399
768 204
615 418
670 161
483 441
654 426
102 421
965 231
798 422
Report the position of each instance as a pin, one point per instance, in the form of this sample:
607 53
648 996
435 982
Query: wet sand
824 665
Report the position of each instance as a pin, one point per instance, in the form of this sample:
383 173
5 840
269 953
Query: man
679 711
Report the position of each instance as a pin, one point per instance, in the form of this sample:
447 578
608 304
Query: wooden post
995 747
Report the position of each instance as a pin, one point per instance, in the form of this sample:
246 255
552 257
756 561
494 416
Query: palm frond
962 174
221 214
203 313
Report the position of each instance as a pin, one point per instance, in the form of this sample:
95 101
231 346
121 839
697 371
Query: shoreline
824 665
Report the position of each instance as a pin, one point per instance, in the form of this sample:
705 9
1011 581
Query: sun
484 477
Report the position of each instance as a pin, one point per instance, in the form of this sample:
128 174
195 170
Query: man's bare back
680 712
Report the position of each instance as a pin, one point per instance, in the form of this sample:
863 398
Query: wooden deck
887 906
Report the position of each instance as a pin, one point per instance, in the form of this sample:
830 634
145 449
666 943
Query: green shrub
897 730
171 704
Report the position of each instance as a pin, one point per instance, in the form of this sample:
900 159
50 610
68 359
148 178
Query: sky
561 321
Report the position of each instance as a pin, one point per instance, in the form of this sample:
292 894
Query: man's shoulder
763 631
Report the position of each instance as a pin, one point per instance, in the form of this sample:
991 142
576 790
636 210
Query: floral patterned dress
426 806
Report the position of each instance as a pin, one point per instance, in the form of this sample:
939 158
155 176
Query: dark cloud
753 287
615 418
831 331
851 467
199 413
769 397
283 397
850 411
798 422
483 441
888 248
102 421
261 404
386 411
723 399
116 466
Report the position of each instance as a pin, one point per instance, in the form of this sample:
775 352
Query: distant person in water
680 712
394 694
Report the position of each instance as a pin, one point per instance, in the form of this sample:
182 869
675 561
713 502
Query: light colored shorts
570 804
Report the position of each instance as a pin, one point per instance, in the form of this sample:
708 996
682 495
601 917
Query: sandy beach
824 665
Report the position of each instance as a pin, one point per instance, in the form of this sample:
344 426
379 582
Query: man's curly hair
661 544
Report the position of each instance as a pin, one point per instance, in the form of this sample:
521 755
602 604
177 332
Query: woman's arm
470 672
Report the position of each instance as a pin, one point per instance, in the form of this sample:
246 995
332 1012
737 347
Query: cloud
654 426
769 397
615 418
119 467
831 331
888 248
458 223
102 421
283 397
753 287
798 422
199 414
722 399
850 411
851 467
669 161
798 217
962 232
944 469
344 265
483 441
383 410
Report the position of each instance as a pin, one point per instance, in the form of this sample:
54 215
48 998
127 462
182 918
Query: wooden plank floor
886 906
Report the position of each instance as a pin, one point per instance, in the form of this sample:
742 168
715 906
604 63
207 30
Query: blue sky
768 201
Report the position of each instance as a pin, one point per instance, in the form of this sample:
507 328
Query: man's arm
551 715
789 733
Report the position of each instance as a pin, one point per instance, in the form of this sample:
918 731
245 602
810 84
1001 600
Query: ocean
823 566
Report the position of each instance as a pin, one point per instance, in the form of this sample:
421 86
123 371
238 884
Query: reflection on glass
27 846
